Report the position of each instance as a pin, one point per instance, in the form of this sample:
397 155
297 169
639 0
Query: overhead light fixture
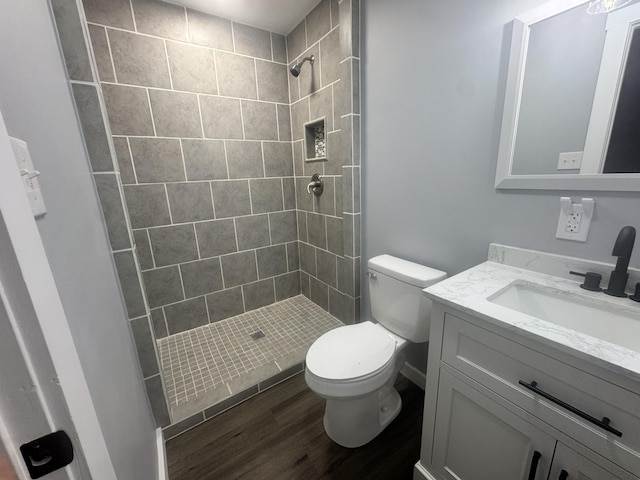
605 6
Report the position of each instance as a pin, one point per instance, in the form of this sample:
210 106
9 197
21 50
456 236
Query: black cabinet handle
604 423
563 475
534 465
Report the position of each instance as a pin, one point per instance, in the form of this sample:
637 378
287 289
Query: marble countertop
468 291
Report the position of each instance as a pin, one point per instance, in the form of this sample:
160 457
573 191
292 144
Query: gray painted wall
37 105
433 90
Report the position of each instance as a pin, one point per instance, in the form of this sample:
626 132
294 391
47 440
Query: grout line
166 56
213 205
153 122
195 235
133 17
113 64
184 163
200 113
166 192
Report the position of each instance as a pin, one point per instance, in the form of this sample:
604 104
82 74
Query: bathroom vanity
530 376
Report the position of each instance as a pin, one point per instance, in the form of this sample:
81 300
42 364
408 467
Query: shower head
295 70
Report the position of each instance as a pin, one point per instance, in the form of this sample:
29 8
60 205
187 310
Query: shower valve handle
316 185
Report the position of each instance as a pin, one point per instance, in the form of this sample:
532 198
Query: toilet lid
350 352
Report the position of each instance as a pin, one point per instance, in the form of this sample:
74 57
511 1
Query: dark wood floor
279 435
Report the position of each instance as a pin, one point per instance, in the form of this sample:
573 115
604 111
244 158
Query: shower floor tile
209 364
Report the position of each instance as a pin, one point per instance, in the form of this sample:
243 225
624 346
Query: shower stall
197 128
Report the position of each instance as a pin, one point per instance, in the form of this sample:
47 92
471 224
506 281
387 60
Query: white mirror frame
601 115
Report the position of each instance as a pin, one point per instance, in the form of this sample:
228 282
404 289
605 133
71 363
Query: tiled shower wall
86 89
199 111
239 153
329 224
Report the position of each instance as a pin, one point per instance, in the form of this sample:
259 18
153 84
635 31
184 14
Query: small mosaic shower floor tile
208 364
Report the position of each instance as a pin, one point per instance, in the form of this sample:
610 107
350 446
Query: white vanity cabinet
501 406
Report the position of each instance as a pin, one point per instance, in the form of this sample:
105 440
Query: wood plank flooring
279 435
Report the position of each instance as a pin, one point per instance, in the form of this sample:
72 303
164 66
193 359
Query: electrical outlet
569 160
575 219
573 222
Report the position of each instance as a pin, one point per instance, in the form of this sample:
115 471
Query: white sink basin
583 314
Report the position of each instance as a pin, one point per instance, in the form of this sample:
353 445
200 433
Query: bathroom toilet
355 367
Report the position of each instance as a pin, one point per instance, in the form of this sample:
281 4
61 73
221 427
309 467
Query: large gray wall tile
130 284
93 127
157 159
272 261
209 30
147 205
307 258
115 13
318 22
101 53
279 47
72 40
239 268
258 294
160 19
225 304
221 117
272 82
266 195
113 210
287 286
289 193
201 277
283 226
139 60
331 57
190 202
259 120
175 114
252 231
293 256
296 42
327 267
192 68
244 159
335 240
144 344
216 237
284 123
163 286
174 244
321 106
231 198
128 110
316 229
252 41
186 315
319 293
204 159
299 116
236 75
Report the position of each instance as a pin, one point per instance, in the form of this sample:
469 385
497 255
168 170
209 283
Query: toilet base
353 422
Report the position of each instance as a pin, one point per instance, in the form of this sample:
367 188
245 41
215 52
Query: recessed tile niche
315 140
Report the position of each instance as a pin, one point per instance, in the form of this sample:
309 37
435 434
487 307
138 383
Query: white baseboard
420 473
415 375
163 473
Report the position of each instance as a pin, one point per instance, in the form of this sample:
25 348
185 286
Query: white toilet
355 367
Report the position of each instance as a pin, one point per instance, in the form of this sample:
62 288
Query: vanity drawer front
499 364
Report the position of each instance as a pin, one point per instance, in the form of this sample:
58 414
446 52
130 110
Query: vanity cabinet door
570 465
477 438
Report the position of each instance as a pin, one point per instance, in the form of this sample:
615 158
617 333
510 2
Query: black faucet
622 249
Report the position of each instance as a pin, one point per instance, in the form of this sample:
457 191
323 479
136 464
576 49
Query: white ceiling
280 16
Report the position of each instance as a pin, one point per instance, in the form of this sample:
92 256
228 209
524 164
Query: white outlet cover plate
570 161
566 219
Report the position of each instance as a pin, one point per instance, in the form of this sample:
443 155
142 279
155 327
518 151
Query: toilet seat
351 360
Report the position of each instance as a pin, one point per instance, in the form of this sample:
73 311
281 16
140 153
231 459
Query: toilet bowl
355 367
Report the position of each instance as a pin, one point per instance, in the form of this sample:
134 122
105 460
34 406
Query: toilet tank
397 301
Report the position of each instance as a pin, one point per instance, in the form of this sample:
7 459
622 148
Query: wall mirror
571 119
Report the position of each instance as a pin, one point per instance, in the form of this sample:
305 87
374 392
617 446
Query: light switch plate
29 176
